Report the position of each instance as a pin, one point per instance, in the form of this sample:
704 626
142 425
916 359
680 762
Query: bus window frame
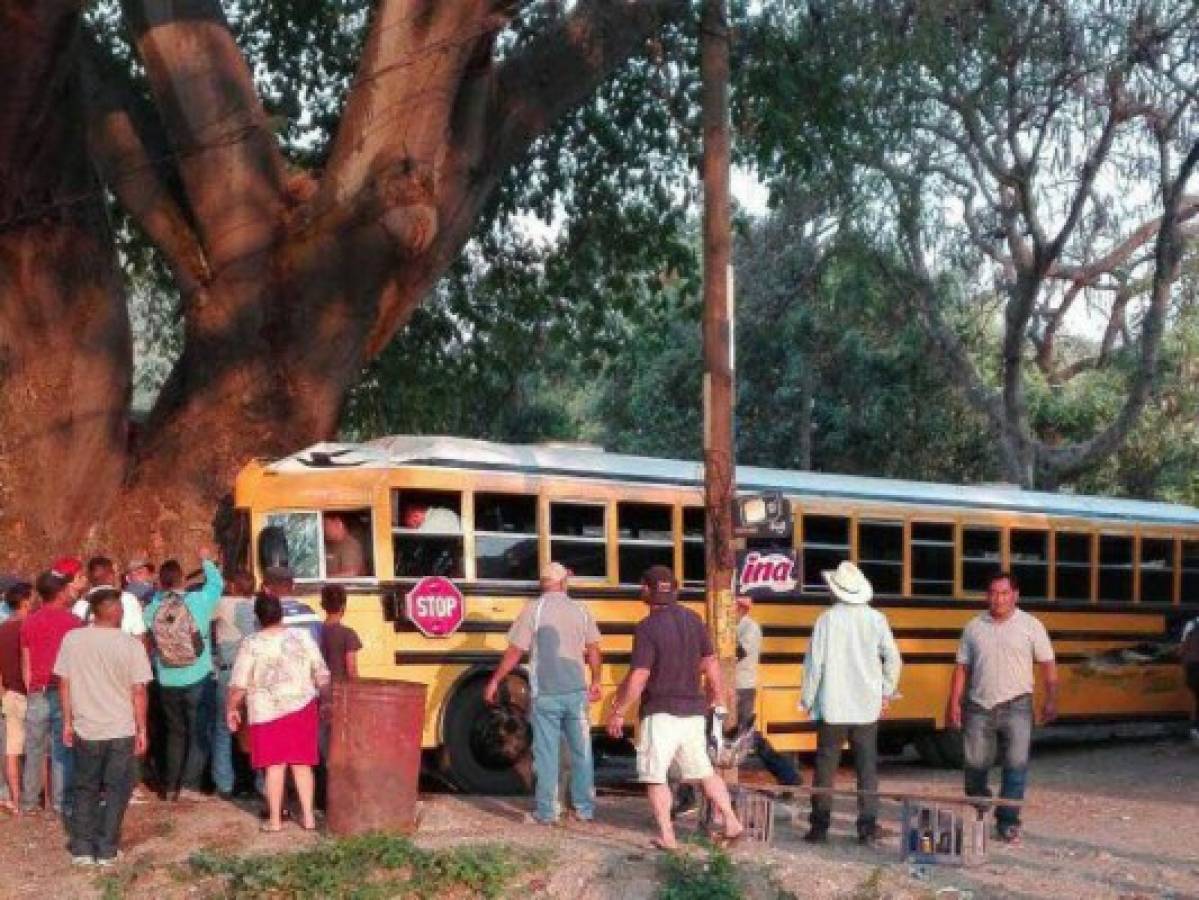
1129 534
322 577
1172 539
606 540
999 564
673 543
539 525
955 545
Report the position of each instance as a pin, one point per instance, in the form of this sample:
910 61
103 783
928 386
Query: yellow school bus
1111 579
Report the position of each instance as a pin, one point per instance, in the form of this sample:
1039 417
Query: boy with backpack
180 625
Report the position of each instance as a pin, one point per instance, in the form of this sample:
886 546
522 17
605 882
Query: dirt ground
1116 820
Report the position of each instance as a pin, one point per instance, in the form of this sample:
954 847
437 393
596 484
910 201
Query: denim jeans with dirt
1004 729
558 716
43 734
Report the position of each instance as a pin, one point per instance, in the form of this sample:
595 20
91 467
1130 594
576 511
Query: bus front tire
486 749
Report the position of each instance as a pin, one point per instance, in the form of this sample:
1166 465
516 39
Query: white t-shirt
132 621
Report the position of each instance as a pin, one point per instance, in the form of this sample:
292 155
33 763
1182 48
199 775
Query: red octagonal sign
435 606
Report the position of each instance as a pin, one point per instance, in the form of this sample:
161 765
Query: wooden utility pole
719 467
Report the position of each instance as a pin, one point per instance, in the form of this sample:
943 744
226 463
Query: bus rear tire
486 749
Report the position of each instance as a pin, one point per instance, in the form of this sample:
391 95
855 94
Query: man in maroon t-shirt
41 636
19 598
672 653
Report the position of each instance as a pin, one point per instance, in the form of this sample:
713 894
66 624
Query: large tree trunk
290 283
65 355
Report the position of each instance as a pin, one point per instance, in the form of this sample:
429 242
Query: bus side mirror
272 547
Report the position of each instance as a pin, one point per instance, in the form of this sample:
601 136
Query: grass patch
368 867
711 875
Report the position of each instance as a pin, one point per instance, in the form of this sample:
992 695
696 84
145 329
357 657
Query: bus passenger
994 674
672 652
559 635
851 671
344 556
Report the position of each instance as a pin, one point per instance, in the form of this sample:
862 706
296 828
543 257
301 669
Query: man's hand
68 734
594 693
491 692
1048 710
886 706
233 720
616 725
205 553
953 716
140 743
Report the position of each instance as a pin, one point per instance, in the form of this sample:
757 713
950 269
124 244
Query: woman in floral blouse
279 672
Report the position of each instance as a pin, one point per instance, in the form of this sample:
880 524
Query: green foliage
707 876
369 866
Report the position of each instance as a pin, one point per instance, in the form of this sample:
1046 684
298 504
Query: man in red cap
70 570
41 636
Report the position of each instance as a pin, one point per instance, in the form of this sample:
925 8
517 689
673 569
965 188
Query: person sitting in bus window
437 519
344 556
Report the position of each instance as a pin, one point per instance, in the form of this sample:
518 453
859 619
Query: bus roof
590 462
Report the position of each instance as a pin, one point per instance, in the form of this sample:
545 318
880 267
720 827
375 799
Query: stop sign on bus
435 606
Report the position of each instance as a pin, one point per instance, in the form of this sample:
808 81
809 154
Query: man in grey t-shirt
994 676
559 635
102 674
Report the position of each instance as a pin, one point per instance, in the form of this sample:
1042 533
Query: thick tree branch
1067 461
395 130
125 166
228 159
564 66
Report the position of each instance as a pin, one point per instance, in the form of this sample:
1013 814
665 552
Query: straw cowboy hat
848 584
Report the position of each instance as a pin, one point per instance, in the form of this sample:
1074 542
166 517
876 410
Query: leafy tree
1035 155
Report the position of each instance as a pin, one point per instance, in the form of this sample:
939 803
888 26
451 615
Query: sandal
309 827
661 846
724 841
268 828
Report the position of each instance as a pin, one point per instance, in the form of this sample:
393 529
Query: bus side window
932 559
981 557
1030 561
506 537
694 561
1190 572
646 538
1072 566
349 543
304 549
1115 567
825 546
880 555
427 533
578 538
1157 570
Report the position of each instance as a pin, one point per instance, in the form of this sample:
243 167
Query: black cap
660 584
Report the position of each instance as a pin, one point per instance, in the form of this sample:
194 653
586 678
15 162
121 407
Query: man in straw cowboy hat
851 671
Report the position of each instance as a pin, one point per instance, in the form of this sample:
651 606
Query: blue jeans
43 733
222 739
555 717
104 775
1006 728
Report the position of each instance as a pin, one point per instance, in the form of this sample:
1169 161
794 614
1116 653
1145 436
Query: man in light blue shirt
851 671
182 683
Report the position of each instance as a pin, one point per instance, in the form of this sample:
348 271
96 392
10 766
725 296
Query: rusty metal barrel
374 756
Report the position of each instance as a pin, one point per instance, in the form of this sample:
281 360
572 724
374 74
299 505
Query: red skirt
287 740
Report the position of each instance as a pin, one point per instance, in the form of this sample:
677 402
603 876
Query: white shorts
663 739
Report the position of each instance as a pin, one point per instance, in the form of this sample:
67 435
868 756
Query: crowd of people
111 683
162 679
851 675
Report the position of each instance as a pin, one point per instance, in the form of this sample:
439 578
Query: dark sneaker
816 836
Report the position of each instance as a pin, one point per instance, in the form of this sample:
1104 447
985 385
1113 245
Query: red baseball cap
67 567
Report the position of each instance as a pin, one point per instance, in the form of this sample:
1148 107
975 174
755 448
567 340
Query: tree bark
65 349
290 282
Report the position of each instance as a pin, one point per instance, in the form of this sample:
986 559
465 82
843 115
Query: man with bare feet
672 652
